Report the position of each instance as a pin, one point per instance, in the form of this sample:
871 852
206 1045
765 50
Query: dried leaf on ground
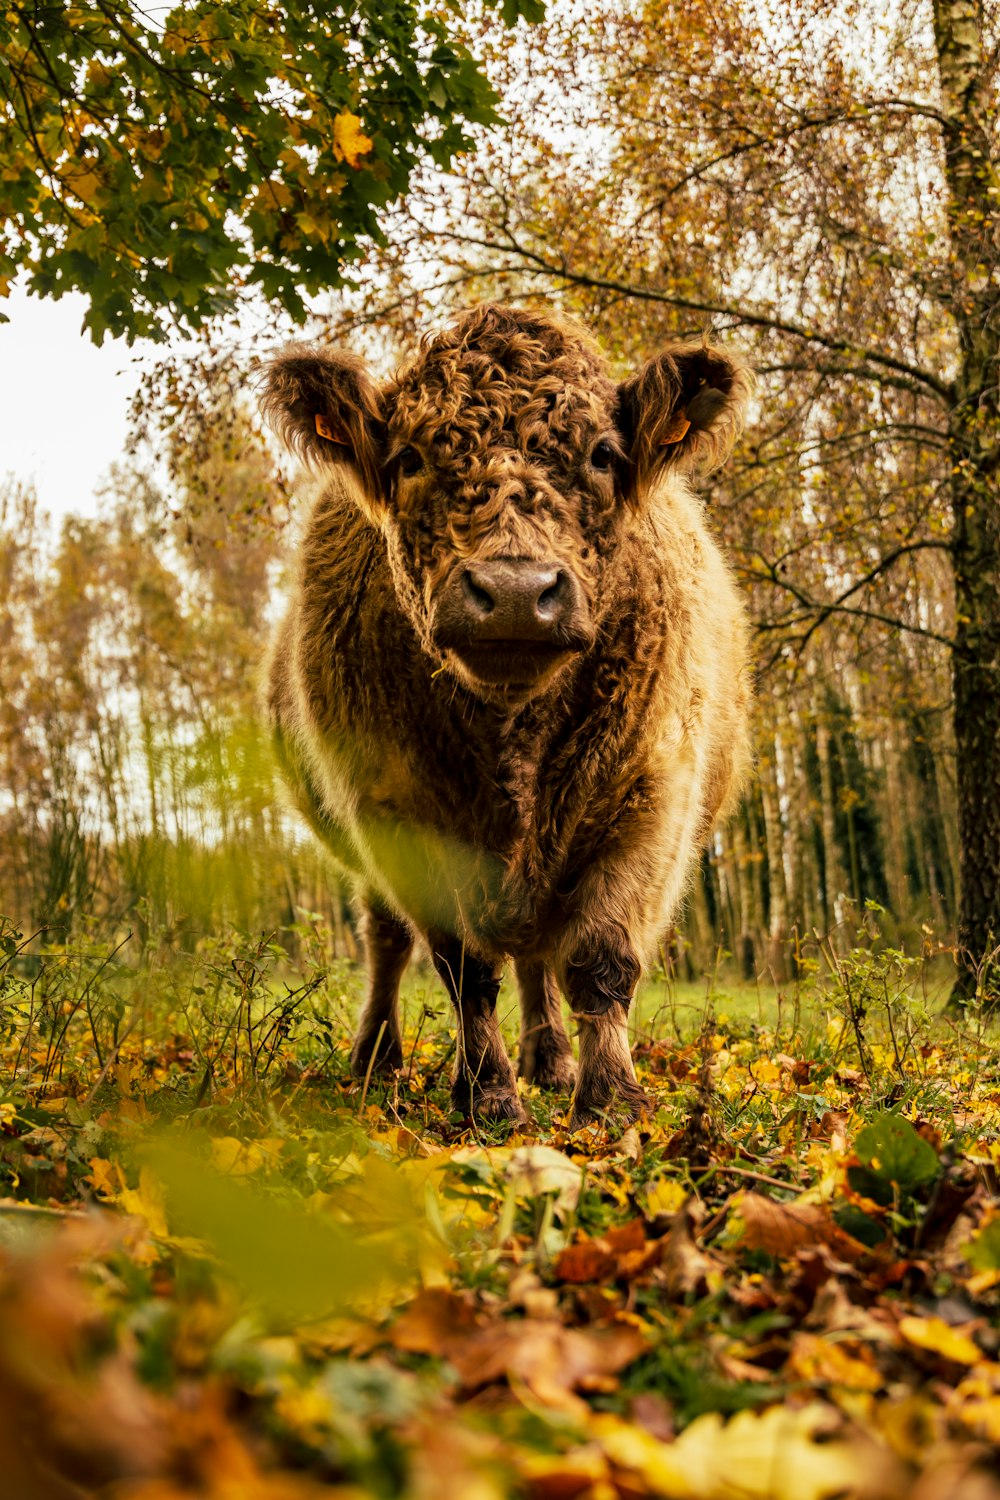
784 1229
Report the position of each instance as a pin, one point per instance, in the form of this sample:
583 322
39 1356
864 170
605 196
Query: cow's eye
603 455
410 462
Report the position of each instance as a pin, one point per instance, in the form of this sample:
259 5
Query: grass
237 1271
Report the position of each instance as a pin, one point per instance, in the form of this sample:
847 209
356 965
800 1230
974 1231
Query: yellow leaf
822 1362
133 1109
85 184
239 1158
306 1409
665 1197
936 1335
106 1177
349 141
127 1075
976 1400
146 1202
808 1454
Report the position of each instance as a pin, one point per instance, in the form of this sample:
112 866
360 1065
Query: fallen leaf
240 1158
564 1476
623 1252
665 1196
823 1361
779 1454
686 1268
530 1171
434 1321
783 1229
587 1260
551 1360
938 1337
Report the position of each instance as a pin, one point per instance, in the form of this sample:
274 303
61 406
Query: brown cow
510 692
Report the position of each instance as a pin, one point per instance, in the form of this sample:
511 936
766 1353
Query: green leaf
297 1266
531 10
861 1226
892 1153
983 1253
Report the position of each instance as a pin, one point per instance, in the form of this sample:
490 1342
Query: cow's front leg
546 1057
600 977
484 1084
378 1046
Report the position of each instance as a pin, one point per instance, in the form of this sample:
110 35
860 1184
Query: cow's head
502 464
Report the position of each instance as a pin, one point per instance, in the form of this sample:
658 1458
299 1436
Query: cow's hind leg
600 980
546 1057
484 1084
378 1045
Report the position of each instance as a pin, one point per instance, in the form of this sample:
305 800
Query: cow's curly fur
559 827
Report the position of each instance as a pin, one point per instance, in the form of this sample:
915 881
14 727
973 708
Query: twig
371 1063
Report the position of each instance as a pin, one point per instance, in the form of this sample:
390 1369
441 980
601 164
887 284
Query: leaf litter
784 1282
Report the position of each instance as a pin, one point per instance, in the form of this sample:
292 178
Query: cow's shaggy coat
510 692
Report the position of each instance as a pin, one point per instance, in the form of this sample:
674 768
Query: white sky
63 401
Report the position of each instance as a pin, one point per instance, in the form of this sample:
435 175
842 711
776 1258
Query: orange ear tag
676 432
324 429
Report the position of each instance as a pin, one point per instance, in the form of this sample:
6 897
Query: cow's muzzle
511 619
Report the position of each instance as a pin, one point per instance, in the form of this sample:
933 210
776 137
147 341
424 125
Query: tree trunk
699 927
743 929
777 886
834 879
758 857
974 435
900 900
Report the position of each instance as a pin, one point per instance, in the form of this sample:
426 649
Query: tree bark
777 885
973 183
743 928
834 879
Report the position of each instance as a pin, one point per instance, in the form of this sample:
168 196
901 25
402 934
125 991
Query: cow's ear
685 408
326 407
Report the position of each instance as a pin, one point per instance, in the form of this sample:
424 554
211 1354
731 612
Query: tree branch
739 316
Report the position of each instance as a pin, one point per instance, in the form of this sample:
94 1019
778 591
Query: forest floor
228 1270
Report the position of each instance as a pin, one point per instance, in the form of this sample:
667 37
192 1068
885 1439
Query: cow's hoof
619 1110
498 1102
555 1072
388 1059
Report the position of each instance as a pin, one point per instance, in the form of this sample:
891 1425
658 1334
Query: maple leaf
350 143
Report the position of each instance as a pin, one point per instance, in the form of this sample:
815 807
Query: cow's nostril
480 599
551 601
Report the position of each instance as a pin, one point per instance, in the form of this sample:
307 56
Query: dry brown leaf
451 1462
686 1268
834 1312
783 1229
587 1260
550 1360
433 1322
962 1477
564 1476
621 1252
